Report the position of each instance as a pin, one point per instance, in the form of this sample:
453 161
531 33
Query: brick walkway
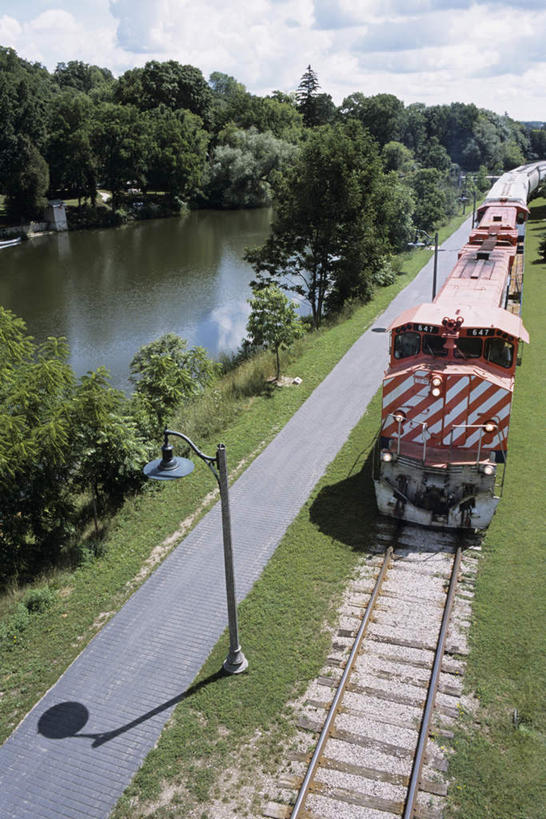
77 750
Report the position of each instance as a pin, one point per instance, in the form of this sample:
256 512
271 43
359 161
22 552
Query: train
448 387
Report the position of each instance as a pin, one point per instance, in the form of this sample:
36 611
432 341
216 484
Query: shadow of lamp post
428 241
170 467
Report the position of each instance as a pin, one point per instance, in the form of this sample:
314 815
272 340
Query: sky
489 52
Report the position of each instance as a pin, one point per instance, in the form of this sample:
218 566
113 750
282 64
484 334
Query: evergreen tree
316 109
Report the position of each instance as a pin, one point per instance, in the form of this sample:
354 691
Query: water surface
111 291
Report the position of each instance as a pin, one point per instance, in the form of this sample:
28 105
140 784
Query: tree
81 76
120 140
242 169
109 449
396 157
381 114
72 161
170 84
176 151
434 200
27 182
36 456
325 239
273 322
316 109
434 155
166 373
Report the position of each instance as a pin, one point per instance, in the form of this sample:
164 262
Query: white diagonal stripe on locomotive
482 392
412 402
406 400
433 419
395 388
454 409
455 403
486 406
500 413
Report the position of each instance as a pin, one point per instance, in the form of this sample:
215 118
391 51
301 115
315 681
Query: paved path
77 750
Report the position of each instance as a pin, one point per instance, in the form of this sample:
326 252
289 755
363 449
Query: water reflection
111 291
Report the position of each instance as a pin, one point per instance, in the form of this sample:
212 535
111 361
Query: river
111 291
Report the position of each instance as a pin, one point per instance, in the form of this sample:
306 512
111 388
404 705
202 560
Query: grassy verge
40 641
243 724
500 756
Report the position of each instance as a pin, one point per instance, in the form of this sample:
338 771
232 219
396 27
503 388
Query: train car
447 390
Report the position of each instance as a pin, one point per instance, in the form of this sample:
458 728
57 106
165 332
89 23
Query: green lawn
500 756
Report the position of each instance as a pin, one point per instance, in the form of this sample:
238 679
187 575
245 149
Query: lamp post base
235 663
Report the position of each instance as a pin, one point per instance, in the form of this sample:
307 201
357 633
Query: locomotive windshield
406 344
498 351
434 345
468 348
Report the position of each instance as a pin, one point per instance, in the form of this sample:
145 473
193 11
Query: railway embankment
500 753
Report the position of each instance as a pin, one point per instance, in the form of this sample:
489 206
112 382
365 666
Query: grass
500 757
245 722
81 601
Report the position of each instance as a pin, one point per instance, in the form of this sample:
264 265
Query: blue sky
490 52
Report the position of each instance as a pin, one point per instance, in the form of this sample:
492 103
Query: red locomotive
447 391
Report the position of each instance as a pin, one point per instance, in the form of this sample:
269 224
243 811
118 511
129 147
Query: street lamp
169 467
426 243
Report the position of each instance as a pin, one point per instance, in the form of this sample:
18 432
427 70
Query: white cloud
429 50
10 31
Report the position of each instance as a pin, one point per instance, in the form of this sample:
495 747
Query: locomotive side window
468 348
406 344
498 351
434 345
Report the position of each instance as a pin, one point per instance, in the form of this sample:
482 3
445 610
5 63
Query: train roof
473 316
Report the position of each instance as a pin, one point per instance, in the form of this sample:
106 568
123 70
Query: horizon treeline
165 129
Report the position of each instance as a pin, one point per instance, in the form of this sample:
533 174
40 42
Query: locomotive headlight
436 391
386 456
399 416
489 427
436 381
488 469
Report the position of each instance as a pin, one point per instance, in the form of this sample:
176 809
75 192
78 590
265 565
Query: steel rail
315 759
419 758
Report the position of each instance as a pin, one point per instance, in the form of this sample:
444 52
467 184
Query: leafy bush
385 275
38 600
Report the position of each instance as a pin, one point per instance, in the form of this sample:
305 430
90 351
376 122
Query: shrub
38 600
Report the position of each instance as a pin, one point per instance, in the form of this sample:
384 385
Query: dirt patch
285 381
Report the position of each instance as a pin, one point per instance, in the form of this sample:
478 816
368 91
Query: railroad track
391 688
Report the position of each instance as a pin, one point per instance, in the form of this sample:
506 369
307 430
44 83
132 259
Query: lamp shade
169 467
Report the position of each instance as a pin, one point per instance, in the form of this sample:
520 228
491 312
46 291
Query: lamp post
170 467
429 239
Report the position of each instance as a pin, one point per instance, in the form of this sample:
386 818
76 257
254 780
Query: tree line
165 128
